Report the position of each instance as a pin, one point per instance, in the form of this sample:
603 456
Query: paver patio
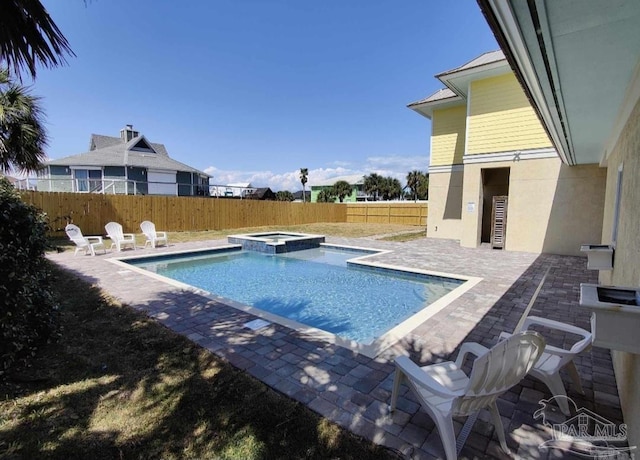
353 390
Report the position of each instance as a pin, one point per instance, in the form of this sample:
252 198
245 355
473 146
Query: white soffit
578 57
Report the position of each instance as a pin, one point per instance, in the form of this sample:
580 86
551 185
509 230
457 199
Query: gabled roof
457 80
113 151
353 179
484 59
441 94
261 194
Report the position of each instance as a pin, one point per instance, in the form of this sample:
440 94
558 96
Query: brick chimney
127 133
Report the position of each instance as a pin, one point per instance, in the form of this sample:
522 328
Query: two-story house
129 164
495 176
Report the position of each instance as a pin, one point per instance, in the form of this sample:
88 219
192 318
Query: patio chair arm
129 235
470 348
420 378
577 347
96 239
161 234
552 324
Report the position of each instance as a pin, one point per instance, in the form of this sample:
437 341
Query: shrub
27 308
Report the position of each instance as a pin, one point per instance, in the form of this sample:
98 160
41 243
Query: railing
112 187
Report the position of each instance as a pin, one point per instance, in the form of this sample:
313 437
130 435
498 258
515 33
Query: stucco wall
448 135
445 205
552 208
501 118
626 270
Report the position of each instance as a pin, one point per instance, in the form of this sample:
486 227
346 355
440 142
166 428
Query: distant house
356 181
235 190
297 196
129 164
264 193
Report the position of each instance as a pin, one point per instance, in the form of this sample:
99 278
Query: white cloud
395 166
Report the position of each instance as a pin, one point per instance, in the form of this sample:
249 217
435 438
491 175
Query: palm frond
28 37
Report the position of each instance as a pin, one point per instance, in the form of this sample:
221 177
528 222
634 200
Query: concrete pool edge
370 350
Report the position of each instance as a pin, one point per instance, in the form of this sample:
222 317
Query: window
87 180
616 208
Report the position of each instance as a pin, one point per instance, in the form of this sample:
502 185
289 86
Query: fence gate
499 221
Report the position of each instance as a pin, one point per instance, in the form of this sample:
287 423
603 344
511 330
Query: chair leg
447 435
573 373
556 386
397 381
497 423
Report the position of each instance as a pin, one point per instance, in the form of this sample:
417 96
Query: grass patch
408 236
329 229
118 385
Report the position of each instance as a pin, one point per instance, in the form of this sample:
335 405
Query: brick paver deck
353 390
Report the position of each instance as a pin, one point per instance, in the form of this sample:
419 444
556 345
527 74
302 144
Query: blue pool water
314 287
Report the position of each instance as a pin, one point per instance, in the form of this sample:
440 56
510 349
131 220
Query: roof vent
127 133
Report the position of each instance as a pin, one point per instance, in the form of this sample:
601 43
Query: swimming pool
331 289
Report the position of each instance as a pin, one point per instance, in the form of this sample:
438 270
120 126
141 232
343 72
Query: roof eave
426 108
541 92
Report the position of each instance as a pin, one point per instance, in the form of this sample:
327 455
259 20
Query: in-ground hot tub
276 242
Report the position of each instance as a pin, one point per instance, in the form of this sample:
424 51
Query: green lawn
116 384
400 232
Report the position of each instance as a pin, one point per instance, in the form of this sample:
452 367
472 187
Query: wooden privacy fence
91 211
175 214
407 213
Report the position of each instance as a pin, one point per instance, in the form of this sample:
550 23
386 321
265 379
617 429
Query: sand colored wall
447 135
626 270
445 205
501 118
552 208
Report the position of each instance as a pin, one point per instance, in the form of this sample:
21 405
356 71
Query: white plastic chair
88 244
553 359
444 390
118 238
153 237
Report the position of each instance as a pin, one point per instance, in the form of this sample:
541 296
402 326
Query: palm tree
372 184
284 195
342 188
326 195
22 133
391 188
28 37
413 182
304 172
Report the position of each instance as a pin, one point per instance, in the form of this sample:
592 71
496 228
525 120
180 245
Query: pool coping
370 350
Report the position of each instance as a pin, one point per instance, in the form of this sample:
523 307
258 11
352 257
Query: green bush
27 308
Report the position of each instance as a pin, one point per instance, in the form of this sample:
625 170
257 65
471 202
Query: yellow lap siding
501 118
448 134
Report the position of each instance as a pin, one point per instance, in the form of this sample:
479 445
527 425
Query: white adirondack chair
553 359
153 237
88 244
444 390
119 239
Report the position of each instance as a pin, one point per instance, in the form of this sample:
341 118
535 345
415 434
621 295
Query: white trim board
445 169
514 155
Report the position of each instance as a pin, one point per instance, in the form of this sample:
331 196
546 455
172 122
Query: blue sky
253 90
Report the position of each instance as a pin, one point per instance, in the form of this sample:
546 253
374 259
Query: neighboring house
297 196
264 193
236 190
129 164
579 64
486 142
357 192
